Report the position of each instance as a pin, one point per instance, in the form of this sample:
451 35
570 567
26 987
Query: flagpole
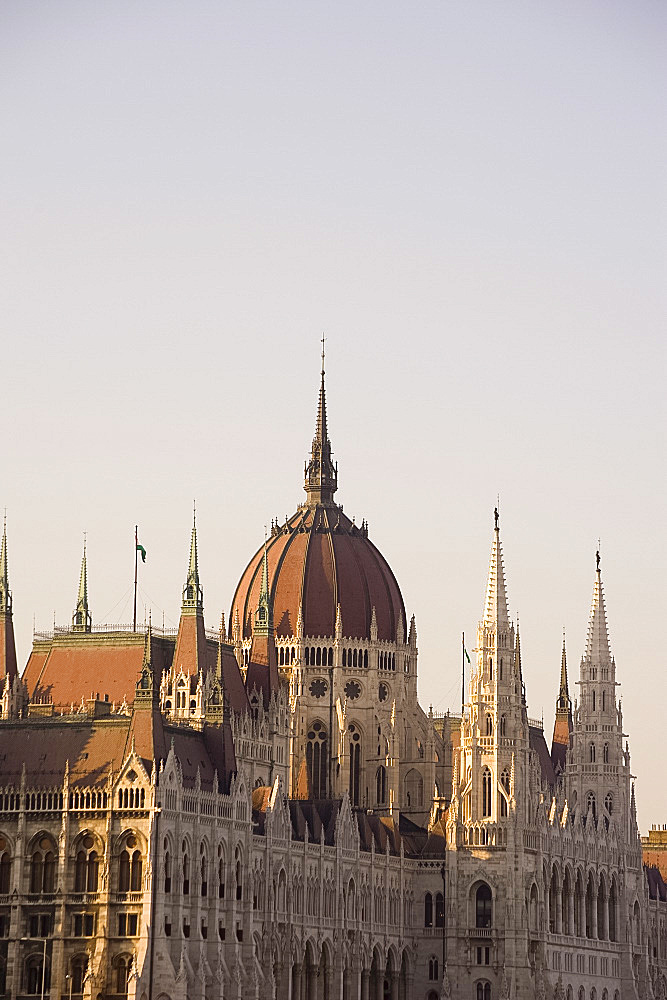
136 550
463 672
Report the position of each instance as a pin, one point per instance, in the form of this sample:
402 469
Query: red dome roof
317 560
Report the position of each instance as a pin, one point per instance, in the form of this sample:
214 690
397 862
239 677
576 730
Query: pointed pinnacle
495 604
193 565
563 672
597 643
5 599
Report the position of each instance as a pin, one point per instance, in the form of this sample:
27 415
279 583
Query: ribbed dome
317 560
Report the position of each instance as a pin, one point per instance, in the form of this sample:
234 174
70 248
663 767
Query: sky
467 198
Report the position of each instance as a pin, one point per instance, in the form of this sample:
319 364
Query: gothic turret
563 723
262 672
321 474
82 620
191 651
598 774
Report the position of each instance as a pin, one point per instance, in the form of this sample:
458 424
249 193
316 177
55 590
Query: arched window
136 872
5 872
43 868
505 784
503 725
483 991
605 753
593 699
221 873
591 753
483 906
433 968
428 910
238 872
203 870
78 973
186 875
355 765
590 803
167 872
439 910
381 785
121 973
489 725
316 760
37 976
124 872
414 789
609 802
486 792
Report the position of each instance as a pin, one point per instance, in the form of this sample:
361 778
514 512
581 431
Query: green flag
141 549
465 653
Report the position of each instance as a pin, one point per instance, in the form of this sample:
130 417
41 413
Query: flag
141 549
465 653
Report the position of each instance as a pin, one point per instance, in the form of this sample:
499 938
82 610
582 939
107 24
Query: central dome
320 559
317 560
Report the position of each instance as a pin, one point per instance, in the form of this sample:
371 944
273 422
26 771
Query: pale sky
468 198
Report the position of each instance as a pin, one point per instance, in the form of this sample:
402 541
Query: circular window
45 843
383 692
88 842
318 688
352 690
131 841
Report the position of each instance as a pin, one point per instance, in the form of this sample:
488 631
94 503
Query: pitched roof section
495 604
597 642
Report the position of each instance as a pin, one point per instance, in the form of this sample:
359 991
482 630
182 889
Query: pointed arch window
5 872
505 784
590 802
486 792
381 785
483 906
609 802
439 910
43 868
428 910
489 724
355 765
316 760
605 753
591 753
503 725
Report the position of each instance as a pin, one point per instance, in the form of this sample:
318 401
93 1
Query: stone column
311 981
365 982
559 911
594 915
393 982
296 981
582 914
570 912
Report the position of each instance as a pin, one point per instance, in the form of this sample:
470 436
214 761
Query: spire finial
82 620
321 478
597 558
5 595
495 604
496 517
193 595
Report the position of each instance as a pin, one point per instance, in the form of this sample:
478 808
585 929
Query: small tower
598 771
321 474
262 672
191 653
82 620
563 724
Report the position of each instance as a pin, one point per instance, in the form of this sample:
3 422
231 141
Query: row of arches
211 874
578 905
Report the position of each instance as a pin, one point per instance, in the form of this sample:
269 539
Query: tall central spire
5 593
321 474
495 605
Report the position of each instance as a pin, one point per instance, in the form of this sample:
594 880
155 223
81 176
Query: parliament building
263 811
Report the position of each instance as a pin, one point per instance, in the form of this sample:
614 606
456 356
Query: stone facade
269 814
